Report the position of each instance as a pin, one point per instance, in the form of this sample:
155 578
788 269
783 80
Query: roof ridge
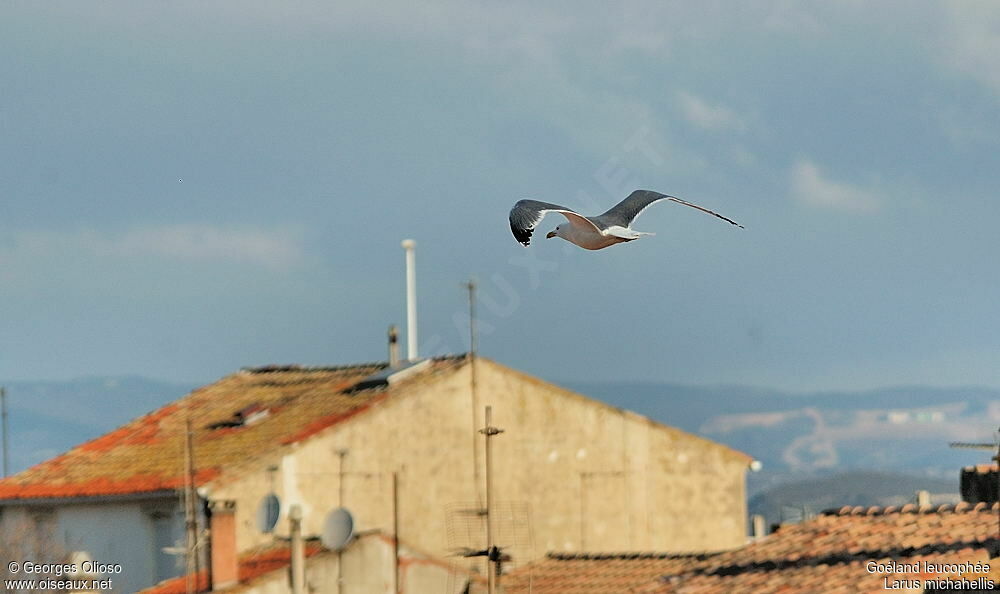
297 367
912 508
627 555
844 557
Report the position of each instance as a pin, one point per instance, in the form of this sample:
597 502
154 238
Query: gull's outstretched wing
626 211
526 215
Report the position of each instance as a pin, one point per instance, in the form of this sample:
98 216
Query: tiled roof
826 554
248 412
596 573
854 577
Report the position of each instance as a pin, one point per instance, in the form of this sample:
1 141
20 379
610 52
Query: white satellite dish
268 512
338 528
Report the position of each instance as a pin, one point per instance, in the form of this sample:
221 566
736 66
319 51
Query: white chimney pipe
411 299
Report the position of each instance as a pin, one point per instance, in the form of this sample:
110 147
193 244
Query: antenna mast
190 521
470 286
492 552
473 335
341 453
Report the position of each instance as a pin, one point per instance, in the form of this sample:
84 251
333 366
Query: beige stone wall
589 476
603 479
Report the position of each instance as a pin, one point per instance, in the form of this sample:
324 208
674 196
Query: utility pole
190 519
3 413
492 553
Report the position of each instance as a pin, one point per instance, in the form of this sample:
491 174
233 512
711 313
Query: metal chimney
411 299
393 346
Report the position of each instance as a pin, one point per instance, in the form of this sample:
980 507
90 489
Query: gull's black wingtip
523 236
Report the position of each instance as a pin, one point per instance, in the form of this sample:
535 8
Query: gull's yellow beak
550 235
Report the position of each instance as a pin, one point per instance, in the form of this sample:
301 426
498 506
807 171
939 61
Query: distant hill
788 502
47 418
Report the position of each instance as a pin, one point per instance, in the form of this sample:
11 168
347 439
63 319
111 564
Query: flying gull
592 233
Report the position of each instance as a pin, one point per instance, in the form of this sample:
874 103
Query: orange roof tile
829 553
147 454
596 573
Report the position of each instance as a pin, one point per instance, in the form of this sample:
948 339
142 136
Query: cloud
972 40
708 116
810 187
28 256
199 242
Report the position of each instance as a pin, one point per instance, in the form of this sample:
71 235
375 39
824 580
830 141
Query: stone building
398 447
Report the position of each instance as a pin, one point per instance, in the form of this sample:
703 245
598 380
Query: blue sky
189 188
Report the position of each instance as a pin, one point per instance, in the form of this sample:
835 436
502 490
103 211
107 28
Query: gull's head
553 233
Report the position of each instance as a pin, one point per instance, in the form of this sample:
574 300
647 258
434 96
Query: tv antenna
470 286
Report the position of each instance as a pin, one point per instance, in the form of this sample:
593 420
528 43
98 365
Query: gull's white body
590 238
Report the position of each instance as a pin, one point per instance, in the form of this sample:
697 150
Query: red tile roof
847 578
596 573
829 553
147 454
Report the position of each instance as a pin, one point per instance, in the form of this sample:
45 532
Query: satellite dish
267 513
337 529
